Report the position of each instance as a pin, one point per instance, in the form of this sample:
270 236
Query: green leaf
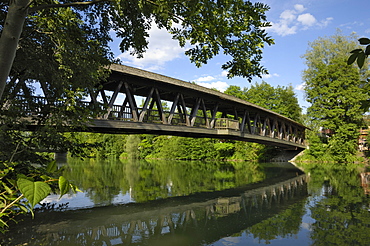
7 189
52 166
63 186
74 188
33 191
367 50
23 207
45 177
360 59
22 176
2 222
352 58
364 41
356 51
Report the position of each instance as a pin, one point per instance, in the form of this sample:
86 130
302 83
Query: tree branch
65 5
168 12
12 203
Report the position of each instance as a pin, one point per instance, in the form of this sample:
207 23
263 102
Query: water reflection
103 181
342 217
194 203
200 205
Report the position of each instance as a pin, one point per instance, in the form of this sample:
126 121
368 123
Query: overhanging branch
65 5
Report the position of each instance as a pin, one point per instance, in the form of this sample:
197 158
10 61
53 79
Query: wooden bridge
174 107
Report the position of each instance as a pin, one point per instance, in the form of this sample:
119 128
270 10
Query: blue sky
295 23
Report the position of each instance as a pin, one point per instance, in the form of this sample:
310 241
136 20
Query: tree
281 99
336 92
236 27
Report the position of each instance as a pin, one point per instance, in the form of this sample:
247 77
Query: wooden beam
245 120
204 112
123 107
131 102
113 99
214 113
145 106
183 106
194 111
173 108
104 97
159 106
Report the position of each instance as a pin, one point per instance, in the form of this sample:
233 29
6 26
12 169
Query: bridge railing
40 106
226 123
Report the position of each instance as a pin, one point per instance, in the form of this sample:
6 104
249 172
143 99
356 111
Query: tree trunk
10 35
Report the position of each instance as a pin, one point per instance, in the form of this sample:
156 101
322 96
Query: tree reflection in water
197 203
342 216
145 181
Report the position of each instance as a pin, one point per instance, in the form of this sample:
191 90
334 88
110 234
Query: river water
201 203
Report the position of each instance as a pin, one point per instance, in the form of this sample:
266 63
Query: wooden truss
195 111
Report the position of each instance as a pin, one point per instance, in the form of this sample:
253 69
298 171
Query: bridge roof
141 81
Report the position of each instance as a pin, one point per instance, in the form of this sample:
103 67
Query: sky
295 23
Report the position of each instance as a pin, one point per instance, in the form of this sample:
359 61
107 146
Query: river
201 203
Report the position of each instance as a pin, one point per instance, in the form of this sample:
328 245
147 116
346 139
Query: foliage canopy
337 93
280 99
74 31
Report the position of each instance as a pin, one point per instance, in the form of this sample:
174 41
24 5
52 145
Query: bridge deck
194 110
173 107
116 127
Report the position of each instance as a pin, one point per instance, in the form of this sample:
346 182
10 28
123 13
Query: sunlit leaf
352 58
1 221
364 41
22 176
63 185
45 177
74 188
23 207
52 166
7 189
33 191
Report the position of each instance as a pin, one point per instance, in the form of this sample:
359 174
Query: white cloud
219 85
213 82
224 73
300 87
300 8
288 16
306 19
291 21
325 22
282 29
162 48
204 79
267 76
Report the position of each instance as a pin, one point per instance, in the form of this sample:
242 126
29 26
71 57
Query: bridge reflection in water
192 220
